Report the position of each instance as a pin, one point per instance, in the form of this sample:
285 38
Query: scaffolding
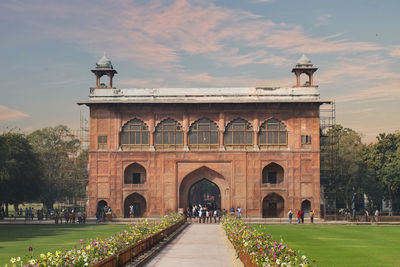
328 158
82 134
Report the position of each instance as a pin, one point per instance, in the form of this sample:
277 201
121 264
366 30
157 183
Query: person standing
312 216
207 215
131 211
200 215
302 216
377 216
239 212
366 216
290 215
298 216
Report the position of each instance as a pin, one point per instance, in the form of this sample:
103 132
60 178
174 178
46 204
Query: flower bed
136 239
259 249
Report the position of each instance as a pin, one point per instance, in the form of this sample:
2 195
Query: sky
47 49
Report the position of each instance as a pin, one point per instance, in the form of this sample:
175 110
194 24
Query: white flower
303 257
278 261
19 258
32 262
283 264
12 260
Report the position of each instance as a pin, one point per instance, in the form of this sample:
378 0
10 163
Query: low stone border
236 262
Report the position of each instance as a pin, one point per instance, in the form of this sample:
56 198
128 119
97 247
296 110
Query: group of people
300 216
102 213
71 216
205 214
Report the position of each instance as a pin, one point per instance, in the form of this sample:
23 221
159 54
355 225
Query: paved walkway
198 245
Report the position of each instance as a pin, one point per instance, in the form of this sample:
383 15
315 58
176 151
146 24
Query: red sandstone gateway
161 150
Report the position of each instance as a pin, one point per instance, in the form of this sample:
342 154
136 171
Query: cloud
8 114
395 51
159 34
323 20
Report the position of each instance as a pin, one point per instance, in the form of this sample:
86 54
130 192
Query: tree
384 159
347 171
21 170
58 150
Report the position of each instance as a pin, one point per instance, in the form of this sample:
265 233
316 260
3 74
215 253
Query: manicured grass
16 239
348 245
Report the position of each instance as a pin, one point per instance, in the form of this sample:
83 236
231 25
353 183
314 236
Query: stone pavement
198 245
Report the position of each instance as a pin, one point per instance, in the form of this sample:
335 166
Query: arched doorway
306 207
200 181
139 205
273 206
205 192
101 204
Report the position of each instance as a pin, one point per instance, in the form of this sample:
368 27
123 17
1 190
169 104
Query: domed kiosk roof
104 63
304 61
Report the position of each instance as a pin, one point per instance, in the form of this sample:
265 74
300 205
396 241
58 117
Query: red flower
30 248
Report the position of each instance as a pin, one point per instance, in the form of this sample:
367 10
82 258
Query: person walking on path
290 215
298 216
312 216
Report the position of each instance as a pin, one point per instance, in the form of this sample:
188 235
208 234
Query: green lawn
16 239
348 245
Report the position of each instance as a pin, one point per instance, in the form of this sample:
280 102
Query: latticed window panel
203 134
135 135
273 134
102 143
168 135
238 135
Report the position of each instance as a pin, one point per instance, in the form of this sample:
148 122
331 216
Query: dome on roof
104 62
304 61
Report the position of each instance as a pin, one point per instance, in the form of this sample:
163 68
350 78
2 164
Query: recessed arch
306 207
203 134
206 193
273 173
168 134
134 134
273 206
199 174
238 134
135 174
139 205
273 134
101 204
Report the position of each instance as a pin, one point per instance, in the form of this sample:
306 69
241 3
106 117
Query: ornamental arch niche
273 174
139 205
135 174
273 206
306 207
200 182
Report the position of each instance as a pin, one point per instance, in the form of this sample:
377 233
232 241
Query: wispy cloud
8 114
159 34
323 20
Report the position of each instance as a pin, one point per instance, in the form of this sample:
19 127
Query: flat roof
205 95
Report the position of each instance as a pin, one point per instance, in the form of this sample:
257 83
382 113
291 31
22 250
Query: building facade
163 149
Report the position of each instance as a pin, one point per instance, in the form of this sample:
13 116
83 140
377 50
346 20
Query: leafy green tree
21 170
347 167
384 159
58 150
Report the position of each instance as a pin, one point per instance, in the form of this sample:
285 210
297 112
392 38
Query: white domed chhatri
104 62
304 61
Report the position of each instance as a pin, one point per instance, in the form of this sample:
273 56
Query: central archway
202 185
138 202
205 192
273 206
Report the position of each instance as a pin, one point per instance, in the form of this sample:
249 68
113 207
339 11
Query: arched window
203 134
169 135
134 135
273 134
238 134
135 174
272 174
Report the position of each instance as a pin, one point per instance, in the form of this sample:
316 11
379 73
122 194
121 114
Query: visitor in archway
312 216
204 214
290 215
239 213
219 214
207 215
232 210
200 215
215 214
131 211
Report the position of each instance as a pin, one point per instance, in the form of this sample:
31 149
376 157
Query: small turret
304 65
104 67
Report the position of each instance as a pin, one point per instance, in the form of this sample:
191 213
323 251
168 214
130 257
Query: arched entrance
205 192
139 205
273 206
306 207
202 185
101 204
